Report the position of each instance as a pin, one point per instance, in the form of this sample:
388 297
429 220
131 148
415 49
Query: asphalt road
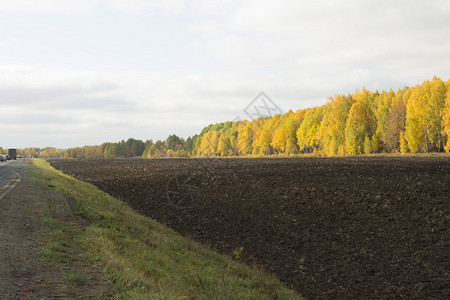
10 175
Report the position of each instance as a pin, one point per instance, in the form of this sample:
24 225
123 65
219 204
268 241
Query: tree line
412 119
36 152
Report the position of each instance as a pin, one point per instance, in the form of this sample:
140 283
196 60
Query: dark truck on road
12 153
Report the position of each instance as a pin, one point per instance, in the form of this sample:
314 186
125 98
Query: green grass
59 239
74 278
143 259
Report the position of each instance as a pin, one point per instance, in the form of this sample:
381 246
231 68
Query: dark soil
359 227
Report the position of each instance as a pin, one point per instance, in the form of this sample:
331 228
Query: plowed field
364 227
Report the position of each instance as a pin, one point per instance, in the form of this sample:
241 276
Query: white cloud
342 38
26 76
7 42
89 6
148 69
133 6
93 108
48 6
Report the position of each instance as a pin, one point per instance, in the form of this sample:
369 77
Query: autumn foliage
413 119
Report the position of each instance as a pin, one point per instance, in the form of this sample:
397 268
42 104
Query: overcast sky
84 72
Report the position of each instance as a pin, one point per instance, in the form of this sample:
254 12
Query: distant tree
189 145
291 136
424 116
134 148
279 139
119 149
205 144
415 119
233 134
403 143
214 142
160 145
376 143
209 143
416 133
382 106
434 109
446 117
153 151
360 123
245 138
172 141
146 153
108 151
298 116
196 141
332 128
395 123
308 132
367 145
264 140
224 145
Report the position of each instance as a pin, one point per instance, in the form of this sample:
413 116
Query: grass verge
58 240
143 259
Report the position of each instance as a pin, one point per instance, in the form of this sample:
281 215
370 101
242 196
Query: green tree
134 148
189 145
173 141
160 145
108 152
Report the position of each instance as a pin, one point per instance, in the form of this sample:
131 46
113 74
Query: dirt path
23 204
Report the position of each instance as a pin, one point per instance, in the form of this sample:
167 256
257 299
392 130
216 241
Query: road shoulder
35 221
